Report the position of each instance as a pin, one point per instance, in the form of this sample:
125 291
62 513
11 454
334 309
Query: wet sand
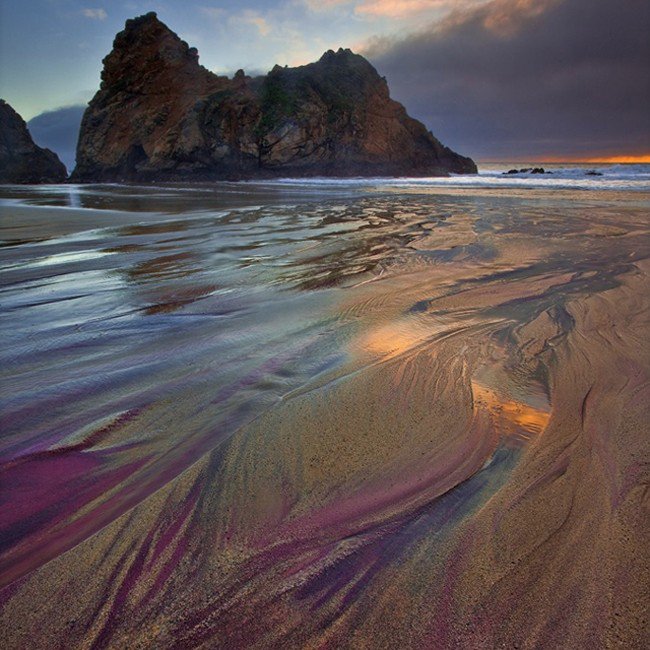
384 419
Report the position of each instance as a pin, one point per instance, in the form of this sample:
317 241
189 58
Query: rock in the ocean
159 115
527 170
21 160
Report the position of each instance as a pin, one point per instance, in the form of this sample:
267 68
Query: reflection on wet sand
412 419
519 416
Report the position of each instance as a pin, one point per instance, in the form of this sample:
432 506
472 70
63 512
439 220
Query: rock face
159 115
527 170
21 160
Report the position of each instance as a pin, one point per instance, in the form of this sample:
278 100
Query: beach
356 414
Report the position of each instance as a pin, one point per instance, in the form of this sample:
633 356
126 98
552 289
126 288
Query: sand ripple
384 421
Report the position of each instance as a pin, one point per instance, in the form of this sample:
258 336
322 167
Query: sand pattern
387 420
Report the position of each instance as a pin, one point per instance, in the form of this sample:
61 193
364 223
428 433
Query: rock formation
21 160
159 115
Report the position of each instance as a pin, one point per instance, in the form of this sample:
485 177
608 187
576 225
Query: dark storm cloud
58 130
529 77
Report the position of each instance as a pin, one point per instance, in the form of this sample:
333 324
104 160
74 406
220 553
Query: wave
630 171
619 177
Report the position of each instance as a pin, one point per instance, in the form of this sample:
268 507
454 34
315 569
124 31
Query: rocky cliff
21 160
159 115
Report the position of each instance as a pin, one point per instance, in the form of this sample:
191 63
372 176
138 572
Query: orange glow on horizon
644 158
620 159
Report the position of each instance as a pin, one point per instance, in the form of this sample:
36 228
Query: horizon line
623 159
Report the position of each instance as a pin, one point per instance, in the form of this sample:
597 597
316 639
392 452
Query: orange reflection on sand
523 416
392 340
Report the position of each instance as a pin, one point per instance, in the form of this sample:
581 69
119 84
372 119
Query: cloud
506 18
399 8
528 77
213 12
395 9
251 17
95 14
326 5
286 33
246 17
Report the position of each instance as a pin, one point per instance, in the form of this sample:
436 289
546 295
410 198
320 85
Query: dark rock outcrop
527 170
22 161
159 115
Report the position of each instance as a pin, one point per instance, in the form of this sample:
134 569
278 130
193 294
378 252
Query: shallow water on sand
289 410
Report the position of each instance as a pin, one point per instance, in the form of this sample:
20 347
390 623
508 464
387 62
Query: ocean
303 412
582 176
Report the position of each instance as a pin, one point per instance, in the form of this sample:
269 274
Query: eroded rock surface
160 115
21 160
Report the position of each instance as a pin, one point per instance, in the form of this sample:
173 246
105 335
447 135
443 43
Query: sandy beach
351 416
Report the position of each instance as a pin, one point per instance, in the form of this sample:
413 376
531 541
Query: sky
493 79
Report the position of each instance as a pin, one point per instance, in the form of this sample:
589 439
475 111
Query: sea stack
160 115
21 160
